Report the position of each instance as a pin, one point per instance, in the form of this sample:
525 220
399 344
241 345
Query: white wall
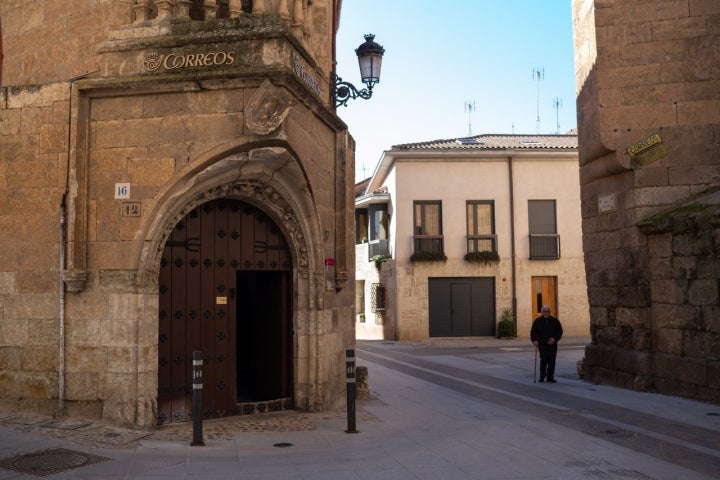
454 181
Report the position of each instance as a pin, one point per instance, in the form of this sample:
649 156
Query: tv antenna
557 105
469 108
538 76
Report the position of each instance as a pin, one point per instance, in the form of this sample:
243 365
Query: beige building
174 179
428 211
648 81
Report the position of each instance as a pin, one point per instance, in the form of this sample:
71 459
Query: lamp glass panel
370 68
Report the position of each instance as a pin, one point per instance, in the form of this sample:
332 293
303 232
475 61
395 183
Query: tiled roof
360 187
497 142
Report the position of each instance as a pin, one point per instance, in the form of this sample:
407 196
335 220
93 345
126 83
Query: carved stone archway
270 179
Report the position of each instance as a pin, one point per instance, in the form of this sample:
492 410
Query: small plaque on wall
606 204
130 209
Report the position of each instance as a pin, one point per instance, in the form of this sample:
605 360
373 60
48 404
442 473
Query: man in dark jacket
546 331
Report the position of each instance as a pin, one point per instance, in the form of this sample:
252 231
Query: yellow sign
220 300
644 145
647 151
648 156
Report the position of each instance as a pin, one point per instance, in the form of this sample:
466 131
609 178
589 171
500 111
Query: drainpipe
513 281
61 288
61 273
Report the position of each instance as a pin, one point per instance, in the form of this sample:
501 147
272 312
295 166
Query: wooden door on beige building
544 292
224 290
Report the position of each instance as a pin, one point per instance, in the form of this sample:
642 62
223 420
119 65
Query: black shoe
552 380
542 379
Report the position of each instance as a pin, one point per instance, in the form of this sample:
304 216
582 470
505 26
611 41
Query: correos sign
156 61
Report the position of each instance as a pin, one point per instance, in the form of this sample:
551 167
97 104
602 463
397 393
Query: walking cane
535 367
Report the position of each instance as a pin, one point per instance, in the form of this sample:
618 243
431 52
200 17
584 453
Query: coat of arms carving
267 109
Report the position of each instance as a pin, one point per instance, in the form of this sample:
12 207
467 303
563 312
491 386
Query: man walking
545 333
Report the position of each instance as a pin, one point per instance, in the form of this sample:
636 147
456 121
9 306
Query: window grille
378 247
544 246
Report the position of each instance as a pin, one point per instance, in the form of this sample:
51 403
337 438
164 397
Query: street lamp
370 59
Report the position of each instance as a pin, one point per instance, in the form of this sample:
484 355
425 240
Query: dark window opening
428 235
481 227
542 222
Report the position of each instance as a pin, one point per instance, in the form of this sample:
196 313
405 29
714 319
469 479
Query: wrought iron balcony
544 246
481 243
428 243
378 247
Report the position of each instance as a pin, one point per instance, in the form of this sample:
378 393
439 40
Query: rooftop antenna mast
557 104
538 76
469 108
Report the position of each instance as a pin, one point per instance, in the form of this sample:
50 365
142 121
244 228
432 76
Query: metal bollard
197 399
350 373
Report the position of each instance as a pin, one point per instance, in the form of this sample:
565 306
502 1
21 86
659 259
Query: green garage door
462 307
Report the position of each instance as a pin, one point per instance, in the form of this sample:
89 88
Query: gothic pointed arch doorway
225 289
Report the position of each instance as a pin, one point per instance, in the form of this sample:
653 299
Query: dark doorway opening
263 336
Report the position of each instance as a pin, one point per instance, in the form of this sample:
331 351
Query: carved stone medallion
267 109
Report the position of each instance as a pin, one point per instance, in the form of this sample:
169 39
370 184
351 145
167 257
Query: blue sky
440 55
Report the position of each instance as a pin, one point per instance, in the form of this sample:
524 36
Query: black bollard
197 399
350 372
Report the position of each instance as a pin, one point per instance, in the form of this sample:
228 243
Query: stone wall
684 261
647 73
33 139
257 130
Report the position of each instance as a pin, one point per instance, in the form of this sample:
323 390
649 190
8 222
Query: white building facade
452 236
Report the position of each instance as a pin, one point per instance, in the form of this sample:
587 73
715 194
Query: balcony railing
428 243
544 246
378 247
481 243
145 10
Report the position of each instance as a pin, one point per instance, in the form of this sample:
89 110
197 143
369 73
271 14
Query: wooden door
544 292
198 307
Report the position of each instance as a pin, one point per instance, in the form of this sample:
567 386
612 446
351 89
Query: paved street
443 409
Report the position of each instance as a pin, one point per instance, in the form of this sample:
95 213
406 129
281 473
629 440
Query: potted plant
482 256
428 257
506 326
379 259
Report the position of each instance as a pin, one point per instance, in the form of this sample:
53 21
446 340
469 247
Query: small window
378 217
481 226
428 226
377 301
361 225
544 240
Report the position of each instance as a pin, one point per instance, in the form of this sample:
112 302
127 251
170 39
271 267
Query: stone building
454 235
174 179
648 80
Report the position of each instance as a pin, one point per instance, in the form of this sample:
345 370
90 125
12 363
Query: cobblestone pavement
91 433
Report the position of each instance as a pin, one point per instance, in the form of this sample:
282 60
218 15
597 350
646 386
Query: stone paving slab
454 410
